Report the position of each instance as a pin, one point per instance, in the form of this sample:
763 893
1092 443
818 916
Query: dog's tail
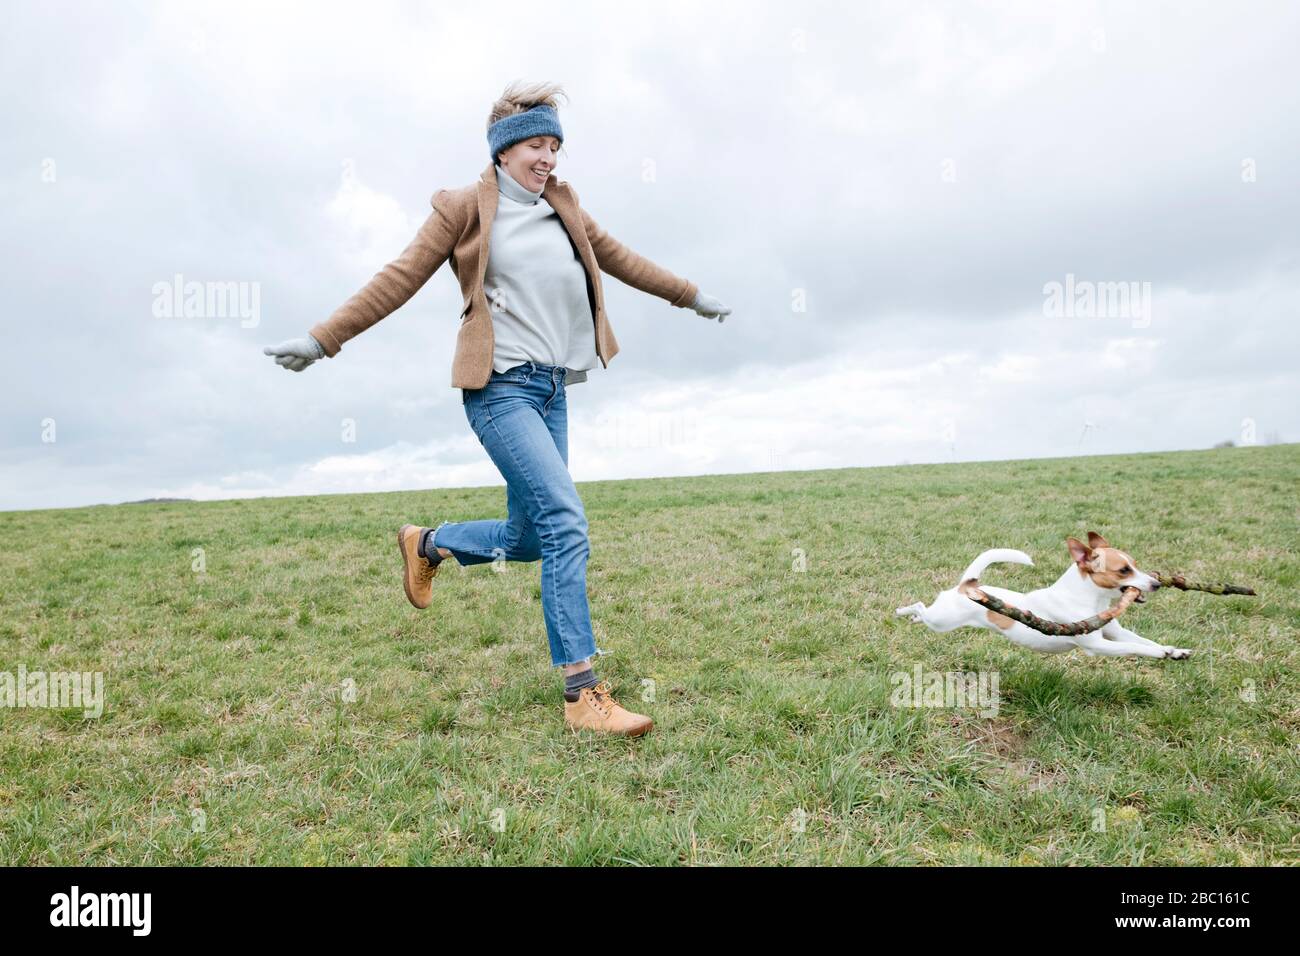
994 556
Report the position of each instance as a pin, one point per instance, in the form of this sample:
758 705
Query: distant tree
1226 444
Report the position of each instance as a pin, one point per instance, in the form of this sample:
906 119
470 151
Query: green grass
775 740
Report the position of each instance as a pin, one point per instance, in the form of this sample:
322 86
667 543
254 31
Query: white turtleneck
536 286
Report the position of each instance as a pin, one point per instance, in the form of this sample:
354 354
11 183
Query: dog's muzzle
1155 586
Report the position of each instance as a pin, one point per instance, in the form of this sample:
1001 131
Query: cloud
880 192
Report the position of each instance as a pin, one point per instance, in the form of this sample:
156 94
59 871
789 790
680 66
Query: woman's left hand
710 308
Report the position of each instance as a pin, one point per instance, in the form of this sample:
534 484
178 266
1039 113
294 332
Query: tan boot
417 573
595 709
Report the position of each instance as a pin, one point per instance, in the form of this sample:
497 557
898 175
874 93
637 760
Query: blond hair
520 97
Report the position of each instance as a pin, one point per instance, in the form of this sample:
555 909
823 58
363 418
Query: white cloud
793 150
1011 368
373 226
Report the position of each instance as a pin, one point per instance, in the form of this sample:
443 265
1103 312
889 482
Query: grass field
286 704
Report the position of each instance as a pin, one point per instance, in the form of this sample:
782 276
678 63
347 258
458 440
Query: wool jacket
459 230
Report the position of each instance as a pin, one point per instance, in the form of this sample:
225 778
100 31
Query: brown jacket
459 228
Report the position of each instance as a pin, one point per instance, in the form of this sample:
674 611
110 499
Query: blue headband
541 120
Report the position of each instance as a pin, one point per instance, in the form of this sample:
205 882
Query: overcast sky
883 193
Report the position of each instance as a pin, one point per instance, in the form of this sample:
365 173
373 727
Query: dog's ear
1079 552
1096 541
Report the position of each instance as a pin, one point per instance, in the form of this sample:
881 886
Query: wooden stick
971 590
1179 582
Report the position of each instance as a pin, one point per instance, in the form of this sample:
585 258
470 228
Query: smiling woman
529 161
528 259
542 309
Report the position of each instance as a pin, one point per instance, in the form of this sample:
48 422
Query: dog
1097 575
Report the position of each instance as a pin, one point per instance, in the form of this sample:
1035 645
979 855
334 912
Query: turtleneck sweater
536 286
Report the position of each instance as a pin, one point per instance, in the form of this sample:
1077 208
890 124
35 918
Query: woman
528 259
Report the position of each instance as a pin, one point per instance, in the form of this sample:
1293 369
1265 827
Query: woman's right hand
296 354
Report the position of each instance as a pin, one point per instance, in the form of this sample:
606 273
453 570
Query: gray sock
574 683
427 550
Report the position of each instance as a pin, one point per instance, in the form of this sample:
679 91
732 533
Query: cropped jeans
521 418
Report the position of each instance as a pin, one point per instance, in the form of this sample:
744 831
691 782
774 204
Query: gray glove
296 354
710 308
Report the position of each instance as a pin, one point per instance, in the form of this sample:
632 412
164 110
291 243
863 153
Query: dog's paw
1177 653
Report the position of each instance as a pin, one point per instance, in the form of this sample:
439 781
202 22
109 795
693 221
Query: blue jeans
521 417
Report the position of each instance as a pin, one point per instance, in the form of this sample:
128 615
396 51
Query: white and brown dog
1098 575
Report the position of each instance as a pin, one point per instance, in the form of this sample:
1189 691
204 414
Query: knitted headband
541 120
